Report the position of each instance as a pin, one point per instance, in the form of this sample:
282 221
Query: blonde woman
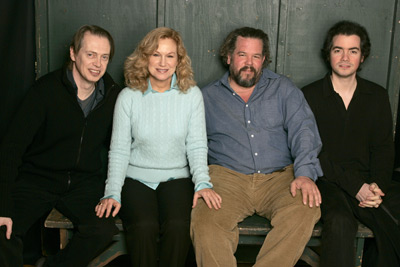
158 143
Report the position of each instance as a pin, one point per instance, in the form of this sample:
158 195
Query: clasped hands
370 196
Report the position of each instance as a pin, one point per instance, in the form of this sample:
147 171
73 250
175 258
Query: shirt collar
99 86
328 86
174 85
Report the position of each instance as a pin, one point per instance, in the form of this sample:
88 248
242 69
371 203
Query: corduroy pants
215 233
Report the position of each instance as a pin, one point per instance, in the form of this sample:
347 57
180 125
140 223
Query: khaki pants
215 233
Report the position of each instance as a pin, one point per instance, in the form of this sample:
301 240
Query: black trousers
35 196
339 214
157 222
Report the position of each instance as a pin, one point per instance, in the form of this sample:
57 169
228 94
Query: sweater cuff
203 185
113 197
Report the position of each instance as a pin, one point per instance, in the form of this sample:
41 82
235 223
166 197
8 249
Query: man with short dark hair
51 155
355 123
263 147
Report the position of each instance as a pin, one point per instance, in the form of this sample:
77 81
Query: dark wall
17 54
296 29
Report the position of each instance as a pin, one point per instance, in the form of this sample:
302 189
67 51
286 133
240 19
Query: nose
345 56
97 62
249 60
162 61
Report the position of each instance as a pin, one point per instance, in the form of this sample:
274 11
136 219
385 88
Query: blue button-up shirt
275 128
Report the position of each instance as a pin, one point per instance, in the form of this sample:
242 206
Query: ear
362 59
228 59
72 54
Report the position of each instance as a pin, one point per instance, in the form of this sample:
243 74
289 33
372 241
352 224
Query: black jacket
51 141
357 143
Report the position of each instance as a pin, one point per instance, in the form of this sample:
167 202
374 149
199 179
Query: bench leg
310 257
359 251
64 237
116 249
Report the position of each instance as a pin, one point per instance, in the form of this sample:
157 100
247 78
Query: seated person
263 146
355 124
158 153
50 156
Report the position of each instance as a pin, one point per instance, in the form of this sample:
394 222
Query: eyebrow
173 52
351 48
256 54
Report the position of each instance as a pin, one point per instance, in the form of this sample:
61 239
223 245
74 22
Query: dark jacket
357 143
50 142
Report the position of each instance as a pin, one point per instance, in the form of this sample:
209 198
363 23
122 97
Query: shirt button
248 121
233 94
247 105
256 154
258 171
252 136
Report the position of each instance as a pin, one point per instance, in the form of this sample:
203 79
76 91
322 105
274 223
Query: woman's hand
211 198
106 205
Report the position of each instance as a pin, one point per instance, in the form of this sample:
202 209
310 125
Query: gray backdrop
296 29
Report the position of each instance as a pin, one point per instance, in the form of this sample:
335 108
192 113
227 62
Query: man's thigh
236 193
78 204
335 201
273 195
31 201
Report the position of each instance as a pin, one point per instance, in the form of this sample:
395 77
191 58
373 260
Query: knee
179 228
208 226
300 215
200 224
338 222
103 229
142 229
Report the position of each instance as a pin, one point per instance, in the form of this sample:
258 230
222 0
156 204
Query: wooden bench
252 232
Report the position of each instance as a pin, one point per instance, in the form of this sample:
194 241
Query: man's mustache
245 68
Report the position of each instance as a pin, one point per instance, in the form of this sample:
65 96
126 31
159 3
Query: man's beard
245 82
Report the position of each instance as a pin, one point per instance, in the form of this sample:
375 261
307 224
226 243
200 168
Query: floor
245 255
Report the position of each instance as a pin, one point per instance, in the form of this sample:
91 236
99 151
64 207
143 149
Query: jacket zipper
69 180
85 124
80 143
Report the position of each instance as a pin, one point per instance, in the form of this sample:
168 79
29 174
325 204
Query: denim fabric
273 129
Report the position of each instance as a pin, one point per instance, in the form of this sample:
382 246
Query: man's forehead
89 37
347 39
248 42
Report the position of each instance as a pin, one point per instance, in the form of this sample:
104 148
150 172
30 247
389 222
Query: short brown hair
76 43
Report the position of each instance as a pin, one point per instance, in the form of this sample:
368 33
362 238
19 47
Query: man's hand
308 189
8 223
364 193
106 205
211 198
373 197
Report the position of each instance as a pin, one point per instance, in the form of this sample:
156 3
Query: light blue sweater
157 137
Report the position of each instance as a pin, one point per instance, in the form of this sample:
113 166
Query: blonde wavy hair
136 70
